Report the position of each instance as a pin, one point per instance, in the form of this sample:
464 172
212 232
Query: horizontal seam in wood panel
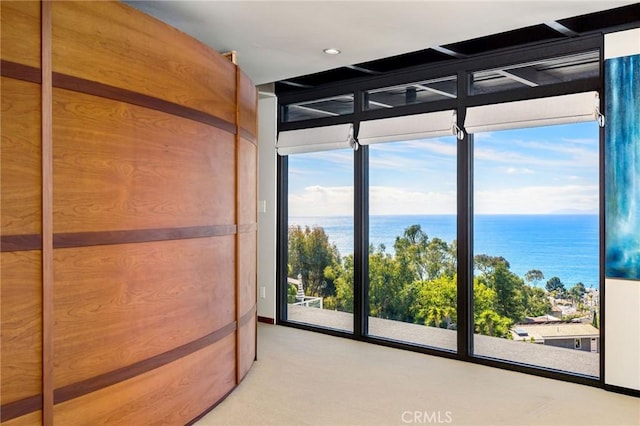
248 135
20 242
20 71
93 384
76 84
20 408
247 227
83 239
247 317
266 320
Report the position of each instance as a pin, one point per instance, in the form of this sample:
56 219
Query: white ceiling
277 40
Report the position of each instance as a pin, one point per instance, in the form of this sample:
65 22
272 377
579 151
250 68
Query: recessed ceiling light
331 51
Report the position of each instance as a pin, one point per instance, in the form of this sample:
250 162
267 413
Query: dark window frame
463 68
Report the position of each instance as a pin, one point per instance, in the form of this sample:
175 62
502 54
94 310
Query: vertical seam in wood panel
255 182
237 218
47 214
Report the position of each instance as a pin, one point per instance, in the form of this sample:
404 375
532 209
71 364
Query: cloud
322 201
383 200
518 171
538 200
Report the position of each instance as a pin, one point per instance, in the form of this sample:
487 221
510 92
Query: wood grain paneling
21 307
20 71
246 346
117 305
93 384
20 32
128 218
119 167
31 419
20 208
114 44
76 84
247 182
172 394
83 239
247 106
247 272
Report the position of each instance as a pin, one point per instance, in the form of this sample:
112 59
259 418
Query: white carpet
305 378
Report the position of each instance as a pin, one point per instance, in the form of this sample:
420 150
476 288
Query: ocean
566 246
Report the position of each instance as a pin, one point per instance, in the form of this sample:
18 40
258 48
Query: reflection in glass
411 93
537 73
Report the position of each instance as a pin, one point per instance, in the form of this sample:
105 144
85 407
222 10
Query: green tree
436 302
310 253
536 301
508 288
490 323
555 286
534 276
486 264
485 319
411 250
342 276
386 287
421 259
577 291
440 259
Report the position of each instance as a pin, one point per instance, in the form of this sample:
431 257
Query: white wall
267 131
622 297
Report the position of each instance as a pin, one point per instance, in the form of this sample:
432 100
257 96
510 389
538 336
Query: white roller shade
533 112
316 139
408 127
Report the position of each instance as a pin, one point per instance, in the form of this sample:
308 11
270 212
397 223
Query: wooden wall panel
20 162
247 106
247 182
119 166
153 203
31 419
21 308
120 304
247 272
114 44
246 347
20 32
172 394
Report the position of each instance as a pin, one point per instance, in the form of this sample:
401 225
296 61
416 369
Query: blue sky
542 170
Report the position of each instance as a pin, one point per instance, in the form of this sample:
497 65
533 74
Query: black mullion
361 234
282 237
602 228
465 226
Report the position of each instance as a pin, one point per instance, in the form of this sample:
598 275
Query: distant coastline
562 245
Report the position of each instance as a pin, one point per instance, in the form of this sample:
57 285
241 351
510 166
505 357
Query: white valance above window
408 127
563 109
315 139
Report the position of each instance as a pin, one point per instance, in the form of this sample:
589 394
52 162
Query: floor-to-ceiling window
412 236
320 239
536 246
476 234
412 215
